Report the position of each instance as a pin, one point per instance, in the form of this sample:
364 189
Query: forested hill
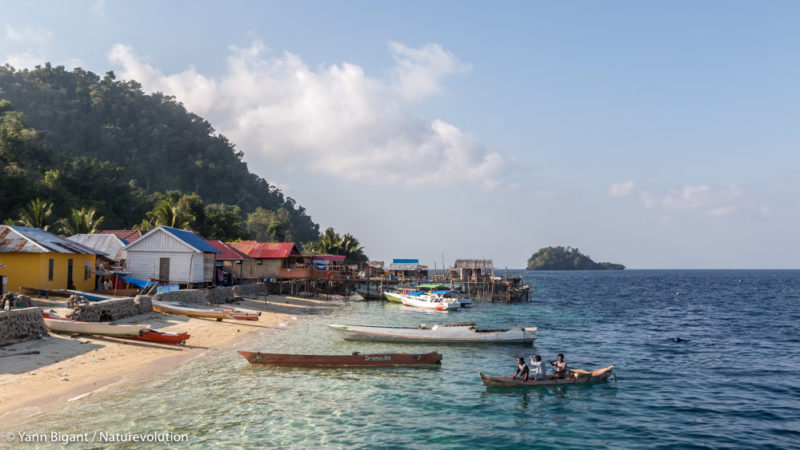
566 258
98 142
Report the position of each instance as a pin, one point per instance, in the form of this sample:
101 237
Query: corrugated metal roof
404 266
126 235
110 244
266 250
14 239
227 252
405 261
191 238
474 264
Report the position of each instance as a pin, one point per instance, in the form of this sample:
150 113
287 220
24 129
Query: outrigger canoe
576 376
169 308
447 333
62 325
354 360
137 332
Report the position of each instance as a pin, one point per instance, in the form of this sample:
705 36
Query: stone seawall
110 310
20 325
219 294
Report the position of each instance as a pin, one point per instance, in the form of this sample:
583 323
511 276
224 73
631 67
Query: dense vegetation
566 258
78 151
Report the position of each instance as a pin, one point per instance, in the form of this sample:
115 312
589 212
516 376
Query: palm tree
334 244
168 213
82 221
38 214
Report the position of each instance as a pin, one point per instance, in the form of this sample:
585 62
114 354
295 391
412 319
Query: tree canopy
77 140
566 258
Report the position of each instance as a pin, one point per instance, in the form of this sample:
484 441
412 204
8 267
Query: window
50 271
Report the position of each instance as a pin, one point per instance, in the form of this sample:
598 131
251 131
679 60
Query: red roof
126 235
266 250
226 251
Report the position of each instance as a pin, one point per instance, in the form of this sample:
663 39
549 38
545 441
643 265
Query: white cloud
99 9
27 35
708 200
334 119
621 189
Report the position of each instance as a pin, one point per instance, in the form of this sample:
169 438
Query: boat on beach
59 324
170 308
575 376
161 337
452 333
354 360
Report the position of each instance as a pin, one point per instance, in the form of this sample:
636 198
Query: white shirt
539 370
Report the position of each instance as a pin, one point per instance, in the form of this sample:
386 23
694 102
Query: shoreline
101 362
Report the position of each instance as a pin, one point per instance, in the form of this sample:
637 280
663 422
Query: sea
733 380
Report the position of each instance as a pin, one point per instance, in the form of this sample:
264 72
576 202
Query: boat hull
393 297
190 312
582 377
410 300
67 326
437 334
161 337
354 360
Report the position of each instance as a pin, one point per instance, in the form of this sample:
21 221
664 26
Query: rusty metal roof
266 250
110 244
14 239
126 235
227 252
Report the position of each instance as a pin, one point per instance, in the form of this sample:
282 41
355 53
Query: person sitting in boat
539 369
522 369
561 369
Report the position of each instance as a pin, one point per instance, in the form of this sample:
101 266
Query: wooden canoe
162 337
62 325
446 333
354 360
190 312
576 376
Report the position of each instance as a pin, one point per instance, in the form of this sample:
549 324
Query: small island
566 258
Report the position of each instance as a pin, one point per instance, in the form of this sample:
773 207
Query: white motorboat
455 333
428 301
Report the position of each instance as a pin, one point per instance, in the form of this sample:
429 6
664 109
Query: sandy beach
72 368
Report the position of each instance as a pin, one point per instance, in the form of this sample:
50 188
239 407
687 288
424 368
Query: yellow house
38 259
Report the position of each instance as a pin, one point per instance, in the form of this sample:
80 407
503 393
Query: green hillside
566 258
75 139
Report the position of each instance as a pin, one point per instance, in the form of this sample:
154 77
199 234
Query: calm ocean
733 383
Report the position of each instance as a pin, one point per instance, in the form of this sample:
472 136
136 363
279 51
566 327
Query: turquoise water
733 382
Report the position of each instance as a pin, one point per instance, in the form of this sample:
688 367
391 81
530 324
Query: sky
652 134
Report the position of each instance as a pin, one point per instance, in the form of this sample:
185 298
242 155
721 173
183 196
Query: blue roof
405 261
445 292
191 239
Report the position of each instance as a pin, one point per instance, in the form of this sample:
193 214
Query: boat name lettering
377 358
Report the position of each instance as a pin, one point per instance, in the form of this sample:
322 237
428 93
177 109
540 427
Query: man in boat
560 367
539 369
522 369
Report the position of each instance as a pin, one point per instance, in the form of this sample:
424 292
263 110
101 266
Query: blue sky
654 135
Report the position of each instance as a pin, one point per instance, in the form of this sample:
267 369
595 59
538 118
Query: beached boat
219 313
59 324
162 337
371 293
455 333
169 308
575 376
354 360
90 296
427 301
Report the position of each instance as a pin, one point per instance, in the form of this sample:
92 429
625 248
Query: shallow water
732 383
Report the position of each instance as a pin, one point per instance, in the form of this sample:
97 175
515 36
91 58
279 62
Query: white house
169 255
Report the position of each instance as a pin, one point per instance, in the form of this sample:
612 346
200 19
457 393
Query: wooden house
170 255
233 263
472 269
275 260
39 259
407 269
111 265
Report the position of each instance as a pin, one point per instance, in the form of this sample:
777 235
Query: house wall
31 270
185 264
250 269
